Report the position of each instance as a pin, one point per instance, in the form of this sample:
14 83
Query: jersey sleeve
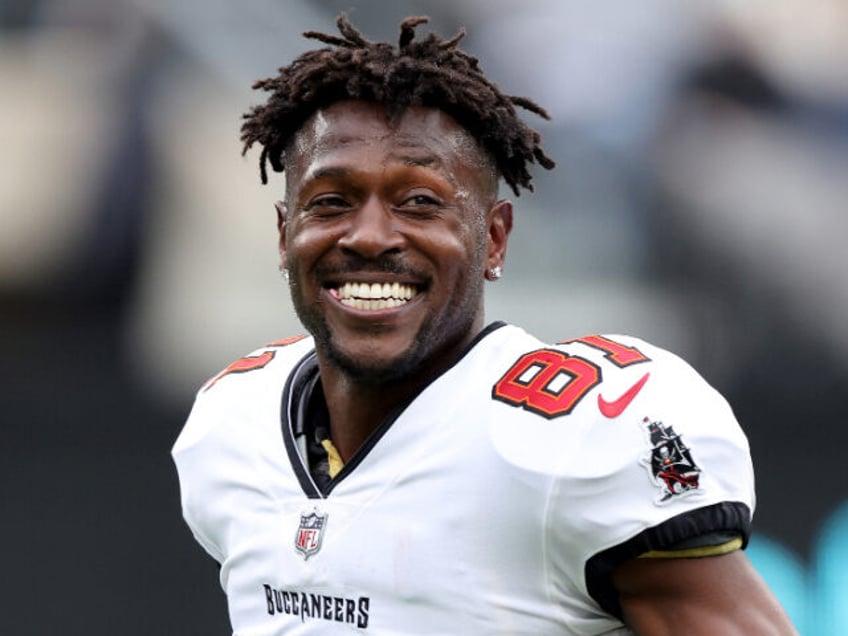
671 468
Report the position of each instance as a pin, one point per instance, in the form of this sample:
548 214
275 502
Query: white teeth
371 296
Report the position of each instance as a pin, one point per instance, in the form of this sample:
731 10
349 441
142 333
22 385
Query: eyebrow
329 172
424 161
335 172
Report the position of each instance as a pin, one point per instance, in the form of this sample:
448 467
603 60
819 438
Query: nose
372 231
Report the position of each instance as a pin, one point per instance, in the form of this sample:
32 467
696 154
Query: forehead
362 126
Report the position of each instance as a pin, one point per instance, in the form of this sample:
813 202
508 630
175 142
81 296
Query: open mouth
372 296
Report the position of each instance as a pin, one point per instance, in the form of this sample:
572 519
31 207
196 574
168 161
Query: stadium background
699 202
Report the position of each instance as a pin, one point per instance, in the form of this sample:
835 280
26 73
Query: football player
409 468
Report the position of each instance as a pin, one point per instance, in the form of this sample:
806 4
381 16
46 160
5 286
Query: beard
432 348
403 366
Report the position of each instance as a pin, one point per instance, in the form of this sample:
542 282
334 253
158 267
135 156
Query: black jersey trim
728 516
297 395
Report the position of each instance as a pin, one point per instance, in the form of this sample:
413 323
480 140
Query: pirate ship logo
310 533
670 463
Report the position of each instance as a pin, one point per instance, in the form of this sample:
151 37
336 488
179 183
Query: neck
358 405
357 408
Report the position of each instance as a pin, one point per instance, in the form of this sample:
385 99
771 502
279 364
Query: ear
499 227
281 229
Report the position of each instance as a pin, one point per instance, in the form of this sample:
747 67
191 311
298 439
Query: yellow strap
689 553
335 460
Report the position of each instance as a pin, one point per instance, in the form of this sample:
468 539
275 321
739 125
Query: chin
373 368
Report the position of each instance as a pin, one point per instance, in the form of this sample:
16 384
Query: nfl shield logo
310 533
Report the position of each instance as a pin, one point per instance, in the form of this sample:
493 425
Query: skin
702 597
413 201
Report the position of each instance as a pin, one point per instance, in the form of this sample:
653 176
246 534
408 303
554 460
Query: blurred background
699 202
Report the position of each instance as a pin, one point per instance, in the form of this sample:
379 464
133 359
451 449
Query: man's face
387 232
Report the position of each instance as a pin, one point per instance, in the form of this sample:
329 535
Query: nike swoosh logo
616 407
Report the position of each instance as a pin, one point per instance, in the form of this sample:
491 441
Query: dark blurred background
699 203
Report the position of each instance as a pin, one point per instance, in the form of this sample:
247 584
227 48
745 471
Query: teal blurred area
812 591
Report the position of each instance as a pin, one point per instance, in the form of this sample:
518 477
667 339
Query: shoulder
285 352
595 377
251 384
266 365
630 433
642 451
594 401
636 449
234 425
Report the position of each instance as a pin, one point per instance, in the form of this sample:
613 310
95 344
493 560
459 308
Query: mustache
355 264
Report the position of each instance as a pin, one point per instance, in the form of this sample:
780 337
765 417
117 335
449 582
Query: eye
326 202
420 201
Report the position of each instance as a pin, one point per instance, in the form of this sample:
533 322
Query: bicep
709 595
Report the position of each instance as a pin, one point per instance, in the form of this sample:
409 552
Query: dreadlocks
431 72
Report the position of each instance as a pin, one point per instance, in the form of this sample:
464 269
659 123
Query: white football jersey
498 501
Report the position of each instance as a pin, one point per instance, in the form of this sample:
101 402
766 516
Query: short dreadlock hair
431 72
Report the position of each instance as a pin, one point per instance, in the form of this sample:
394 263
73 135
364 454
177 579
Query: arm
698 596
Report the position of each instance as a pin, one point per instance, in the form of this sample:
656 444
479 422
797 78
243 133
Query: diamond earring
494 273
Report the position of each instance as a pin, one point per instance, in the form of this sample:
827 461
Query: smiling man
387 232
410 469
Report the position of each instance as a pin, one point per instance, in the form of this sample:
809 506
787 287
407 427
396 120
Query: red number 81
547 382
